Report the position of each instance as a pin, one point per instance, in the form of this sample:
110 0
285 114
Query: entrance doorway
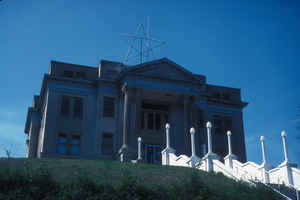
152 153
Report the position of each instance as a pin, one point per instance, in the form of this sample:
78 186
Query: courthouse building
99 112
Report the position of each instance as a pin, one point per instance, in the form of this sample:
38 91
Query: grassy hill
102 179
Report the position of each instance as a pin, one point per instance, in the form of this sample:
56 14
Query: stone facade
100 112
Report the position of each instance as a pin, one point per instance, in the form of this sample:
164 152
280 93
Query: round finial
208 124
262 138
139 139
229 133
192 130
167 125
283 133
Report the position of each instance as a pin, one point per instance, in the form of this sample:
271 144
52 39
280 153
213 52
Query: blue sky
252 45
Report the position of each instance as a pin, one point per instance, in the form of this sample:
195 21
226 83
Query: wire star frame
141 45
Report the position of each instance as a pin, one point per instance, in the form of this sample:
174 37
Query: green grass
72 178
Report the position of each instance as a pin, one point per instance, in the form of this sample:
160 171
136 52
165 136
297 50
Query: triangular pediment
163 68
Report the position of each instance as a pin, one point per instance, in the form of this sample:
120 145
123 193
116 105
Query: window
108 107
80 75
107 144
62 144
216 95
65 106
226 96
150 121
154 117
75 145
218 125
77 111
157 121
228 124
68 144
68 74
222 124
74 104
142 120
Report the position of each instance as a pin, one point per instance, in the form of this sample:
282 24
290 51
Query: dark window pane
228 124
226 96
62 144
62 138
80 75
166 116
154 107
107 144
65 105
75 139
62 149
142 120
216 95
68 74
78 106
201 120
108 107
74 151
150 121
157 121
218 125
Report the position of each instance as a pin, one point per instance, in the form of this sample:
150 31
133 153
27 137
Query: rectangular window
142 120
68 144
80 75
62 144
75 145
108 107
218 125
226 96
157 121
68 74
65 106
150 121
107 144
78 108
228 124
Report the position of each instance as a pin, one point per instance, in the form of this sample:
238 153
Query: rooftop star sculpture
141 45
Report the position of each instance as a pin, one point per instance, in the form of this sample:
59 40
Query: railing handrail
278 192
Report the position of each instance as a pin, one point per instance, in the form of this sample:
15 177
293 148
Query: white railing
286 173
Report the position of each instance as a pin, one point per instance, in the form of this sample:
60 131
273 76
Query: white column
167 136
262 139
165 154
228 160
192 131
229 142
283 135
209 142
139 148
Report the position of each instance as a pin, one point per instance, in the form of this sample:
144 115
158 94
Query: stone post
209 142
262 140
139 148
193 159
229 142
165 154
230 157
264 166
167 136
192 131
283 135
286 165
210 156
